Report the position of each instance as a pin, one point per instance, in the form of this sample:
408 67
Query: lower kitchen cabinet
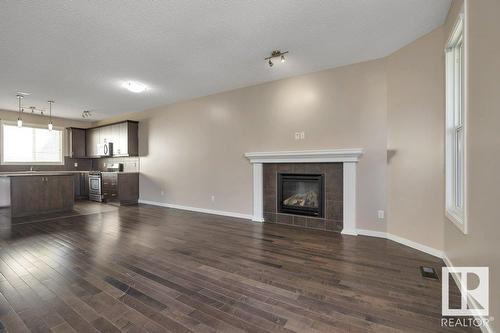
120 188
81 185
34 195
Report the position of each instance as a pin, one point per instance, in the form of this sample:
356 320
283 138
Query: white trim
457 216
470 300
401 240
417 246
258 187
196 209
349 197
372 233
350 232
306 156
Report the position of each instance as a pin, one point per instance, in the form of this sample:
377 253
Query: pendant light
50 115
19 120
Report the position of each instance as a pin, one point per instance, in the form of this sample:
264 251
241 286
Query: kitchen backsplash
130 164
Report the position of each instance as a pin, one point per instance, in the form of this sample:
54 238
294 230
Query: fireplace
301 194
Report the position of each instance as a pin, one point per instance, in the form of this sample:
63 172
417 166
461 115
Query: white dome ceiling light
134 86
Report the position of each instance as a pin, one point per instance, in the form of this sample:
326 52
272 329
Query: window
455 126
31 145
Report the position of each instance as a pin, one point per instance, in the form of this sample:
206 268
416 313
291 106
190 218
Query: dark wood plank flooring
153 269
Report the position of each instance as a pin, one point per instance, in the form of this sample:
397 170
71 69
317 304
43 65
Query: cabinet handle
113 195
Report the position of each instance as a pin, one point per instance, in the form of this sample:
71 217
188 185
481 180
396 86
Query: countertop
36 173
53 173
120 172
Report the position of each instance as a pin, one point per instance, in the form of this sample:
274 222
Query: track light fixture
86 114
276 54
20 96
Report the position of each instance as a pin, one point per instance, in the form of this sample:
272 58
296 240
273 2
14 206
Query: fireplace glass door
301 194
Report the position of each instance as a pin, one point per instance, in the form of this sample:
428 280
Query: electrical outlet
300 135
76 164
162 193
212 198
381 214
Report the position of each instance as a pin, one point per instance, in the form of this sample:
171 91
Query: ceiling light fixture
86 114
276 54
33 109
50 126
134 86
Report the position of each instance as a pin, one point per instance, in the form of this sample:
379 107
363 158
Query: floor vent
429 272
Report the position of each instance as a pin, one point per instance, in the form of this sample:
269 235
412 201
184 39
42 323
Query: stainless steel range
95 186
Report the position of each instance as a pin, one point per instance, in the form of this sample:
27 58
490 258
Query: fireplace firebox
301 194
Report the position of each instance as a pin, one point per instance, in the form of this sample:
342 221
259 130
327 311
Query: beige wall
192 150
481 246
415 141
395 103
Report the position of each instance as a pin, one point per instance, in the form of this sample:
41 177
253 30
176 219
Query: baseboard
199 210
421 247
352 232
470 300
401 240
372 233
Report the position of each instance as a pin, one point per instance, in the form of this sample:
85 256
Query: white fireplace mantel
349 158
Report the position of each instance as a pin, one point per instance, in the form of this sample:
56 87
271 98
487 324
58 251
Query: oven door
95 188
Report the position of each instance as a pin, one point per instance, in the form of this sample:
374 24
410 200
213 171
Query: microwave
105 149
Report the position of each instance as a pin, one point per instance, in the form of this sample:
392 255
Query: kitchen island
37 192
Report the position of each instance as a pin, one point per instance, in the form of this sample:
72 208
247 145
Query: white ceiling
78 52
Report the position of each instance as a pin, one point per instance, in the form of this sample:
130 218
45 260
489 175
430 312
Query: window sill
457 220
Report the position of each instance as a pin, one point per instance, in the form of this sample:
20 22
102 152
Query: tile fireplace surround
317 161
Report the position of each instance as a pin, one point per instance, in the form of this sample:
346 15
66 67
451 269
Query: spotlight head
270 63
283 59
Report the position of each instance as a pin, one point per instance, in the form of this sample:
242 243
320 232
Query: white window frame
13 123
456 125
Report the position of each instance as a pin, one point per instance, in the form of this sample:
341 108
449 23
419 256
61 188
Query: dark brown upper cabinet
123 135
76 142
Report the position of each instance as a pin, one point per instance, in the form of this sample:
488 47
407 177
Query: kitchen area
100 166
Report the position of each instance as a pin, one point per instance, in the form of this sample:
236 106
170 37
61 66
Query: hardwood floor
152 269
